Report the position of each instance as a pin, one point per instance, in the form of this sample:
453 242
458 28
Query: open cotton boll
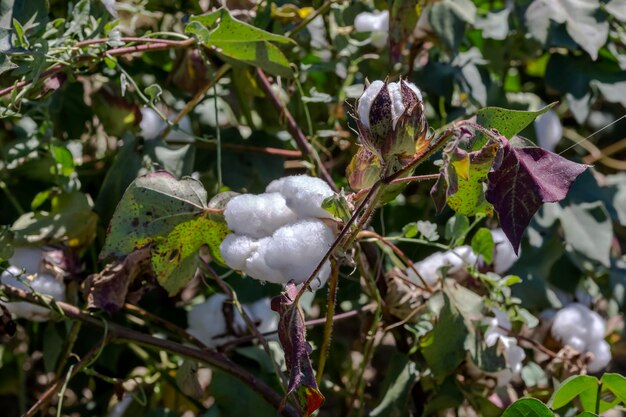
262 314
151 126
257 266
548 129
577 321
429 267
207 322
497 327
257 215
236 249
601 356
27 258
303 194
377 23
296 249
497 332
504 254
41 283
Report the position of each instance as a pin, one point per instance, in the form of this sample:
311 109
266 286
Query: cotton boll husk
303 194
296 249
236 249
257 216
257 267
504 254
42 283
27 258
601 356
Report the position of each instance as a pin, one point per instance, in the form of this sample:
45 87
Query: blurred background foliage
80 124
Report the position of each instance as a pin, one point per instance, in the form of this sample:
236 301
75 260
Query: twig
59 382
120 333
301 140
328 325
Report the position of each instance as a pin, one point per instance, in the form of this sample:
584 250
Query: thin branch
301 140
120 333
328 326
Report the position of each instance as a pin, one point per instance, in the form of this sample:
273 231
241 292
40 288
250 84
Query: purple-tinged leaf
527 178
292 336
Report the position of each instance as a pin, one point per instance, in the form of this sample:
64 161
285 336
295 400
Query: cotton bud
391 119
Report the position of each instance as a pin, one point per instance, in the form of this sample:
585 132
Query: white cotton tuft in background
497 333
207 322
583 329
503 254
377 23
430 267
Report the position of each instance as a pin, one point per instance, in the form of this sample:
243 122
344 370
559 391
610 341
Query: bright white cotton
503 253
430 267
280 235
377 23
208 323
366 100
497 333
303 194
583 329
41 283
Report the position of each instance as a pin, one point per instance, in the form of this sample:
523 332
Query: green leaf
52 346
456 229
482 244
444 347
527 407
71 221
589 229
615 383
508 122
6 243
153 91
174 256
241 42
171 215
401 375
583 386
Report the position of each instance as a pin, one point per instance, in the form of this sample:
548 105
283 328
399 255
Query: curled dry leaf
292 335
118 282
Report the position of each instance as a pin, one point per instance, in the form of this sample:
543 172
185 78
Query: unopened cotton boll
41 283
303 194
258 215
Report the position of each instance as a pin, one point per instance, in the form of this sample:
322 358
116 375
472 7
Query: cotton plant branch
119 333
301 140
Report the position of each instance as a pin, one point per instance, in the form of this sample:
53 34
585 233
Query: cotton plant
431 268
26 273
152 126
583 329
282 234
217 320
497 334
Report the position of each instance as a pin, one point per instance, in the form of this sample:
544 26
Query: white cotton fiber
296 249
263 315
497 333
377 23
583 329
303 194
366 100
236 249
397 103
601 356
429 267
257 215
27 258
41 283
504 254
257 267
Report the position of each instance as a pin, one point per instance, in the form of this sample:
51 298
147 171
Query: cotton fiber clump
26 264
280 235
378 24
430 268
497 334
152 126
216 321
583 329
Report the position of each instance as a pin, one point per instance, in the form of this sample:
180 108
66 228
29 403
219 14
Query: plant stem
11 198
301 140
323 9
328 325
119 333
